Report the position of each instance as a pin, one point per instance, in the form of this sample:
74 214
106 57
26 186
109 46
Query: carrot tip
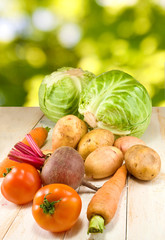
96 224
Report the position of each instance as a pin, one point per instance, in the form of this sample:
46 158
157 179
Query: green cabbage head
116 101
59 92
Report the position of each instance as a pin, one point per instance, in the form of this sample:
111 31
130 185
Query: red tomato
56 207
21 183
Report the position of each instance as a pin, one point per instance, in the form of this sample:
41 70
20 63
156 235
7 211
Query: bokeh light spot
91 63
7 32
149 45
35 56
69 35
32 86
114 3
119 47
162 103
86 47
125 29
141 25
44 20
70 10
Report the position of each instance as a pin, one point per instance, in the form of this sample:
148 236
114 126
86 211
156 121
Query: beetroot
65 166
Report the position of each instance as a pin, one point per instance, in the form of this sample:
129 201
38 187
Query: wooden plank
146 208
8 212
25 227
15 122
114 230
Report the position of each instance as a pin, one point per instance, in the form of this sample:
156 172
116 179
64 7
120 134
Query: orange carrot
103 205
6 164
39 135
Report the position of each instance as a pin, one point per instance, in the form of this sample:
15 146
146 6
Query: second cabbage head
116 101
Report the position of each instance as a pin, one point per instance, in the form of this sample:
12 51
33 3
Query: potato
68 131
94 139
124 143
84 128
103 162
142 162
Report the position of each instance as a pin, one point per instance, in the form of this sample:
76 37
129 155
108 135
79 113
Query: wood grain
15 122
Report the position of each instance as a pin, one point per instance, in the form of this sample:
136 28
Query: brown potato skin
94 139
124 143
84 128
68 132
103 162
142 162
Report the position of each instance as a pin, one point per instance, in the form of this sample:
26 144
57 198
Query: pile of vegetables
50 180
98 122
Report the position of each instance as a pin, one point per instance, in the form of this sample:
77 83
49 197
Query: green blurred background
39 36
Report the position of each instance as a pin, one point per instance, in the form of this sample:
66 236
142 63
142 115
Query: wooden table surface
141 210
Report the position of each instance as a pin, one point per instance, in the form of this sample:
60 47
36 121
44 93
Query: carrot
103 205
6 164
39 135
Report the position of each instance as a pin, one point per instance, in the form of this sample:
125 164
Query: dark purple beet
65 166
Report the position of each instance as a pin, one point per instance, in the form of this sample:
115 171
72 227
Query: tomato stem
49 207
